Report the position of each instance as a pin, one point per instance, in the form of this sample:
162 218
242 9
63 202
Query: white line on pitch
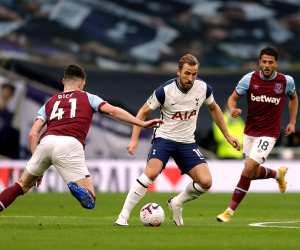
51 217
273 224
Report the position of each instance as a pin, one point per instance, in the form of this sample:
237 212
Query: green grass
56 221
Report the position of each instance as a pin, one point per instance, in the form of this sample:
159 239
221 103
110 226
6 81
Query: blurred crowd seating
149 35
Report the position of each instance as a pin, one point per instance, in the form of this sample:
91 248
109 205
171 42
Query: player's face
187 75
268 65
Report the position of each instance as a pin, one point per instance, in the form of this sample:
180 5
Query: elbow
32 136
113 111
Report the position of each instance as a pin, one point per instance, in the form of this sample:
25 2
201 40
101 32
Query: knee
250 168
205 184
151 173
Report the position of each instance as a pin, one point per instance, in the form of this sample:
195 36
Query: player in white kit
179 100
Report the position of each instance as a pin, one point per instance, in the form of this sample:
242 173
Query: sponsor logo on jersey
184 115
264 98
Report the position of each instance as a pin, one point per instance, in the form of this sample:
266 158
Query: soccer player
68 116
179 100
266 91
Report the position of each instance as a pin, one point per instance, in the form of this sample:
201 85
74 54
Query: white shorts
65 153
258 148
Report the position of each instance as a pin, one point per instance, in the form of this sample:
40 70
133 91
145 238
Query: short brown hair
74 71
270 51
189 59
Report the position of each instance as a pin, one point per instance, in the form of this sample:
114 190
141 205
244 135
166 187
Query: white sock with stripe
135 194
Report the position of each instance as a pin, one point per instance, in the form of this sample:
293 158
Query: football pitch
56 221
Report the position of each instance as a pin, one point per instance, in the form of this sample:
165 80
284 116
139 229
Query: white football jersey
179 110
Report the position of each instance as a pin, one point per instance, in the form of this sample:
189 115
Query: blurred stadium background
128 48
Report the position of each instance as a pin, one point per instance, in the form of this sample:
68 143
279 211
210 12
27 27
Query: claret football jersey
266 98
70 114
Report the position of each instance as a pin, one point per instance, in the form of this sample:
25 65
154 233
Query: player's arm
123 115
34 134
218 118
232 103
293 111
142 114
241 89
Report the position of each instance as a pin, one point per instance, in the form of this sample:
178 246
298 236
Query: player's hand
131 148
152 123
234 142
235 112
39 181
290 128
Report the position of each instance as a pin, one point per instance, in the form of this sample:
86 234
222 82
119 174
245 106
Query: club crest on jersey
197 101
184 115
278 88
255 86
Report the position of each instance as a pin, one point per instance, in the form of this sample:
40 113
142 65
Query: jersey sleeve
209 95
157 98
243 85
290 86
41 114
95 101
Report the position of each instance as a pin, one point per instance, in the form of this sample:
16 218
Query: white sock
135 194
191 192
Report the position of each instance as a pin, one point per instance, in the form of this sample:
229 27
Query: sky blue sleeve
95 101
41 114
290 85
243 85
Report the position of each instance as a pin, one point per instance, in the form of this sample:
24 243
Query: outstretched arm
123 115
34 134
232 102
218 118
293 110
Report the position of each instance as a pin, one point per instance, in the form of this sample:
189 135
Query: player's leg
139 189
242 185
266 144
157 158
190 161
240 190
256 150
201 183
69 160
83 191
31 176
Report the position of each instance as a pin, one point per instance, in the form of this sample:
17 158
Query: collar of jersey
181 90
273 76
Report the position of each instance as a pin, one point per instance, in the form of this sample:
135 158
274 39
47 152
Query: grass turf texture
56 221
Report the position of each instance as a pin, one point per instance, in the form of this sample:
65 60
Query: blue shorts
186 155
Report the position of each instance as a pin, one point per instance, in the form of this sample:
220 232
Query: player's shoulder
88 95
166 87
288 78
250 74
200 82
167 84
201 85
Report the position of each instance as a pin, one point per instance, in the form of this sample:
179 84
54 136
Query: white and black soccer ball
152 214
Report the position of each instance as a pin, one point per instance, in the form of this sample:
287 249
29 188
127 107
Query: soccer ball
152 214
